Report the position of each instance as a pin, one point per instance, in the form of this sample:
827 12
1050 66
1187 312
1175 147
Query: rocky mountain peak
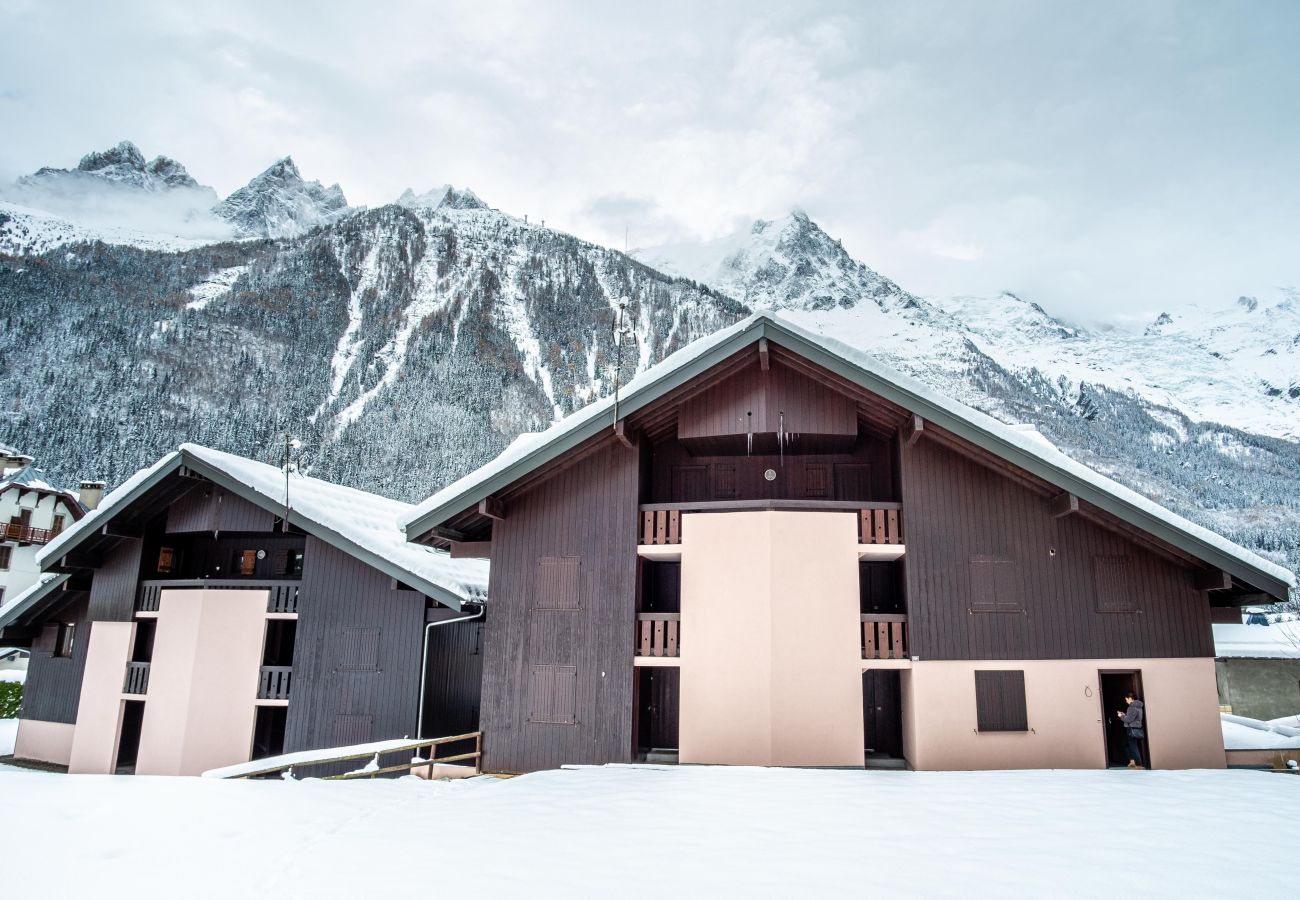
124 155
279 203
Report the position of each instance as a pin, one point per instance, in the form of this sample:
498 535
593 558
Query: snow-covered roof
356 521
11 610
30 478
1281 640
1025 449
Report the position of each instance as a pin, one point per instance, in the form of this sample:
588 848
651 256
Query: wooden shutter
816 477
690 484
724 481
1000 700
558 583
352 729
1113 585
359 650
280 562
995 585
48 639
6 556
553 694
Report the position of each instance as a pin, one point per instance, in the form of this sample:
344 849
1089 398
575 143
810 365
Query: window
724 481
246 562
63 636
57 526
287 561
1113 585
1000 700
816 481
558 583
553 694
2 596
995 585
6 556
166 560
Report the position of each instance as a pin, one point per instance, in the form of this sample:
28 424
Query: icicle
749 434
780 436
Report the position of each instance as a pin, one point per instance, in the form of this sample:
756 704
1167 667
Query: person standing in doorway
1134 721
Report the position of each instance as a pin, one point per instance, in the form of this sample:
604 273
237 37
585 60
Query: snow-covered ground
655 832
1242 733
8 733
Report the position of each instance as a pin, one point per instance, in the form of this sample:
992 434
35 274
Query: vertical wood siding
754 399
210 508
958 511
356 656
113 587
588 510
53 686
454 683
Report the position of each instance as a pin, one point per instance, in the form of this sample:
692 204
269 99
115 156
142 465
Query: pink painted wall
44 741
1062 699
770 661
203 681
99 711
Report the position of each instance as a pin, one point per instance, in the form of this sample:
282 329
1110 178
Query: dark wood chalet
774 550
196 620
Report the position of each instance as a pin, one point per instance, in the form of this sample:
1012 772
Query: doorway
658 701
1114 685
882 717
128 744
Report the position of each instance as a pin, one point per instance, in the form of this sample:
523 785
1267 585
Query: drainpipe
424 661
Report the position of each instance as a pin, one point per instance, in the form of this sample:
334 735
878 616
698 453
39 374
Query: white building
32 512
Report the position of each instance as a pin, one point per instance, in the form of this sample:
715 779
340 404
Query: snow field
656 832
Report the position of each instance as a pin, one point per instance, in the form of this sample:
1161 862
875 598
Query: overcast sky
1105 159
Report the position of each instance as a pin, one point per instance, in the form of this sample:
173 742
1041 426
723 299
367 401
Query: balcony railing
879 522
283 594
884 636
137 678
658 634
26 534
273 684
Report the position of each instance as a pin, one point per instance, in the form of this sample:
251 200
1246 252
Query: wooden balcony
884 636
658 634
274 682
283 594
137 678
26 534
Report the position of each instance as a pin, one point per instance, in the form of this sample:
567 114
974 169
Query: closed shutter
690 483
1113 586
352 729
6 556
48 639
996 585
816 481
1000 700
359 650
724 481
553 694
558 583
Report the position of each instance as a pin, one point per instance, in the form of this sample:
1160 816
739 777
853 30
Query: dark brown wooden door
882 713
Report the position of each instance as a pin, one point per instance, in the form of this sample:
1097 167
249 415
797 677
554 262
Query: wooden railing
879 522
274 682
658 634
881 525
137 678
411 747
283 594
884 636
26 534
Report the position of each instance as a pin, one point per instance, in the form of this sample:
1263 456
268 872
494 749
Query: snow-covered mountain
408 343
123 165
279 203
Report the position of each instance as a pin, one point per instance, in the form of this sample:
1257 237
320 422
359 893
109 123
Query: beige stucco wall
203 681
1063 701
770 660
44 741
99 709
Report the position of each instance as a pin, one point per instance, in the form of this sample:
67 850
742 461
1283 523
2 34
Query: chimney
11 460
91 492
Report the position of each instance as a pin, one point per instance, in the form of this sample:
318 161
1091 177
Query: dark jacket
1134 719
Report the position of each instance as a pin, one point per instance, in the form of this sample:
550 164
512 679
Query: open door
882 718
1114 685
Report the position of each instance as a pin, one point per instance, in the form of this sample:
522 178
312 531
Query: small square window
166 560
246 562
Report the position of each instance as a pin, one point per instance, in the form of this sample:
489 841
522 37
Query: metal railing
884 636
137 678
274 682
658 634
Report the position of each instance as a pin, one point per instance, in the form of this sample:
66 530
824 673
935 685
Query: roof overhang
29 605
180 459
893 387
